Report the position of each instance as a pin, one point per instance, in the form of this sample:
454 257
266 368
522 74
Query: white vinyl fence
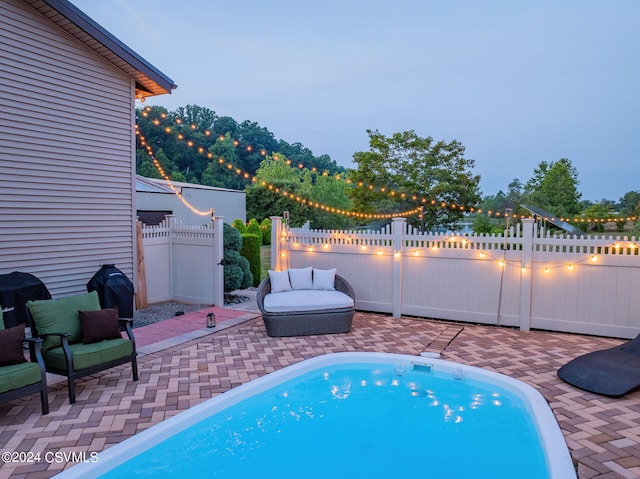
182 263
527 278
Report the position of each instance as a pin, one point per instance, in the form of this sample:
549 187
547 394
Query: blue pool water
387 418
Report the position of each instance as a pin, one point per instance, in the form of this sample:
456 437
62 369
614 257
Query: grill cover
15 290
114 290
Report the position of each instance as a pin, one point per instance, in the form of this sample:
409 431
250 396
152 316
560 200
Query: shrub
265 226
253 228
239 225
237 272
232 238
251 251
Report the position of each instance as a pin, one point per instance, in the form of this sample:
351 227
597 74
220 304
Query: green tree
217 173
202 117
265 196
148 170
280 187
330 191
554 188
598 211
630 203
191 134
414 168
498 202
486 225
514 194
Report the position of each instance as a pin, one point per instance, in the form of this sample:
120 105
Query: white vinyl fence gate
183 263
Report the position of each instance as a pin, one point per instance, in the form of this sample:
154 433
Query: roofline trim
96 31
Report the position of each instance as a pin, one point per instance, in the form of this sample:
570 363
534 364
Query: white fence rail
182 263
527 278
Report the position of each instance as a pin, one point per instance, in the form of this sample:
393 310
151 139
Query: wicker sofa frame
304 323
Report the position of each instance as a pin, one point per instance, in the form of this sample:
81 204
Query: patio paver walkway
603 434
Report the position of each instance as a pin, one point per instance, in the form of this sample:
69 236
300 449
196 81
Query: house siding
66 155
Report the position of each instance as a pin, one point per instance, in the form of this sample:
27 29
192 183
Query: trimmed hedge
251 251
253 228
240 226
237 272
265 226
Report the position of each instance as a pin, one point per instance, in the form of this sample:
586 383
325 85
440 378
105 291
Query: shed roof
149 80
157 185
146 185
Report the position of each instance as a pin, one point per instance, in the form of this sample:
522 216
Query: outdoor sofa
306 301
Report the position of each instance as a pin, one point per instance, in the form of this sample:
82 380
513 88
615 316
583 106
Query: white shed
155 199
67 143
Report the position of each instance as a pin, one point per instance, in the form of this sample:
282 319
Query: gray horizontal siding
66 155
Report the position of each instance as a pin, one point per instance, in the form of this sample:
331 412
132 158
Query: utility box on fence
114 290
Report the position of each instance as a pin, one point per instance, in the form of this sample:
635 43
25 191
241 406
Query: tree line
399 173
182 162
553 187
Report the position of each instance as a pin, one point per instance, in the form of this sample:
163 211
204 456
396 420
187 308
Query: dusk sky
516 82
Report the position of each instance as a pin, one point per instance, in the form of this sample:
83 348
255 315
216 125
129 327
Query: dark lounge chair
18 377
79 338
611 372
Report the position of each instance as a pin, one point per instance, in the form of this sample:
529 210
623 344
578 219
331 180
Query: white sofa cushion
301 278
324 279
279 281
306 300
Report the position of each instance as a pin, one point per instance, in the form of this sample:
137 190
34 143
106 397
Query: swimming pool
353 415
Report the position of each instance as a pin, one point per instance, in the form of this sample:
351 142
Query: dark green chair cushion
61 316
19 375
88 355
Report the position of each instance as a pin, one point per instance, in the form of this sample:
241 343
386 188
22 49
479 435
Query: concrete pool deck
179 371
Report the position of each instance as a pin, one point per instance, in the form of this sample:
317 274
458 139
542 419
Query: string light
502 263
320 206
276 157
382 189
178 193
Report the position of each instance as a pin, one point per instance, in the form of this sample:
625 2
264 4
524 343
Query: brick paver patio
603 434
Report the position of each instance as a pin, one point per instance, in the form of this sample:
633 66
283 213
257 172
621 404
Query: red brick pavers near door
178 328
603 434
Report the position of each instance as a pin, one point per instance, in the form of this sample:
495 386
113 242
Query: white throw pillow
279 281
324 279
301 278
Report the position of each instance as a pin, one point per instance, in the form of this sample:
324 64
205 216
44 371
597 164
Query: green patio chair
19 377
80 338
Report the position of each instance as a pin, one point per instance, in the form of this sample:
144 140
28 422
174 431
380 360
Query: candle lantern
211 320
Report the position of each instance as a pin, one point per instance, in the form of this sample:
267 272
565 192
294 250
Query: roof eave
149 80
